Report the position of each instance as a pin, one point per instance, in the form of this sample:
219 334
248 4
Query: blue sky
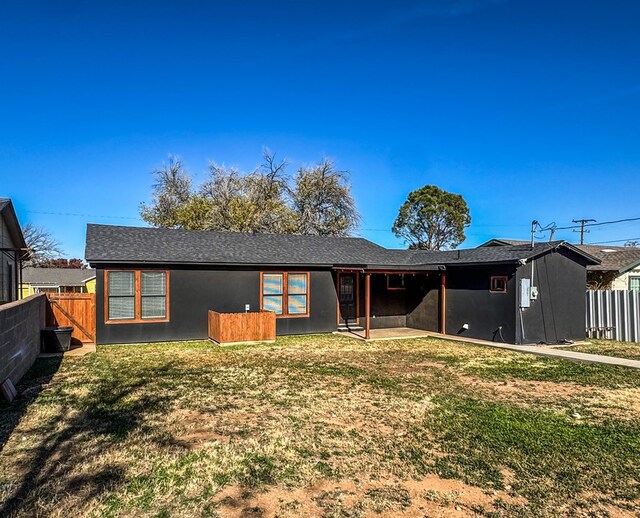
529 109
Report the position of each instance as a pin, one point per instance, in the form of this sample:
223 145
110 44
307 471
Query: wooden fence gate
74 309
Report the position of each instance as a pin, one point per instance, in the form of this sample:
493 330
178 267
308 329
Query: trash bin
56 339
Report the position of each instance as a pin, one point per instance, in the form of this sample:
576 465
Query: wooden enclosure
227 328
74 309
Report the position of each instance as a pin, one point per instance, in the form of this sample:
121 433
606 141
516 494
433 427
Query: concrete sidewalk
543 350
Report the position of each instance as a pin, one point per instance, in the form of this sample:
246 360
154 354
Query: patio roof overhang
386 268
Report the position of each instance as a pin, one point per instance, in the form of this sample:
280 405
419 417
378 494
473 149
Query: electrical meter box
525 293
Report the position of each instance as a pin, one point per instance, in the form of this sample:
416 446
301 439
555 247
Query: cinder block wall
20 325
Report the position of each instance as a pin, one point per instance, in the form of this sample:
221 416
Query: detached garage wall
194 291
20 326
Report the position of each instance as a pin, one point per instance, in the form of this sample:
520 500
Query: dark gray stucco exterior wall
559 311
415 306
469 301
193 291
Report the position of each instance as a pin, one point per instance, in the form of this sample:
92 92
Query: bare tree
317 201
322 201
171 193
41 243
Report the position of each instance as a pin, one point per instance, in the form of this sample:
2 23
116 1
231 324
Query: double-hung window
136 295
121 296
285 293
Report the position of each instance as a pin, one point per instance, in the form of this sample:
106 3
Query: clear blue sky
529 109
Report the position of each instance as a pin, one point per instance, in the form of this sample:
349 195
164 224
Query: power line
615 241
75 214
598 224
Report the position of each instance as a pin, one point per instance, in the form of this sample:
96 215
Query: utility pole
582 230
534 224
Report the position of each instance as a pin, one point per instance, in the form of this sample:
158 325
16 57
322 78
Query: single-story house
58 280
618 269
158 284
13 250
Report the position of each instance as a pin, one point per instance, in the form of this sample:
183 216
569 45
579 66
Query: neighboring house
58 280
158 284
619 267
13 250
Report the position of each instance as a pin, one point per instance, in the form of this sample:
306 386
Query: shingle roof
612 258
502 242
615 258
116 244
57 276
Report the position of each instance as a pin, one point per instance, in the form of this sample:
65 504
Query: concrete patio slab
83 350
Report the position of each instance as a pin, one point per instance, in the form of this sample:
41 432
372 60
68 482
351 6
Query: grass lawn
321 426
610 348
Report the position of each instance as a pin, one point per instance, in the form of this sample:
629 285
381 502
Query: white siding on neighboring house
624 282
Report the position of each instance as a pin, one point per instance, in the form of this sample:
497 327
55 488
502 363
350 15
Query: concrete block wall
20 325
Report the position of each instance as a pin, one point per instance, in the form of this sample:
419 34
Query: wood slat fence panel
74 309
613 314
226 328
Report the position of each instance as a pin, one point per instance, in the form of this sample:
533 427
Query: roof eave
630 266
97 262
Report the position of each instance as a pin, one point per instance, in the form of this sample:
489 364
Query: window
286 294
136 296
273 292
153 294
395 281
122 297
634 283
498 284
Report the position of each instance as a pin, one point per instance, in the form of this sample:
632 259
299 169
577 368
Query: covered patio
379 304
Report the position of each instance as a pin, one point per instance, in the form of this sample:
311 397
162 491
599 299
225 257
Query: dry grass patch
320 426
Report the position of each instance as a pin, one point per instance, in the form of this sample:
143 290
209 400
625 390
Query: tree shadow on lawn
87 428
33 382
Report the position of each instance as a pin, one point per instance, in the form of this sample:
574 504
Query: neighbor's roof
613 258
503 242
116 244
57 276
8 213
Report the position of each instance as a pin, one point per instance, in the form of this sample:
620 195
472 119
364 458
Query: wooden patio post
443 302
367 305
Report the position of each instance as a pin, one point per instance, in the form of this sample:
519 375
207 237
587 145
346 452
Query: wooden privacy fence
74 309
226 328
614 315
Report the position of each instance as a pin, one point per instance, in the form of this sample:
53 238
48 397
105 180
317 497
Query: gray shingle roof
502 242
57 276
617 258
116 244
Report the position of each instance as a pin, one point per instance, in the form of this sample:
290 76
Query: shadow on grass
87 427
33 382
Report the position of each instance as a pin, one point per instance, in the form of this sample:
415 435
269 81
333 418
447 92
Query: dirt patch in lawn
521 389
619 403
428 496
197 429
